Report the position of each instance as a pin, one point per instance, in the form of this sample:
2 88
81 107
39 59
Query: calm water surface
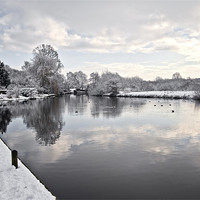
108 148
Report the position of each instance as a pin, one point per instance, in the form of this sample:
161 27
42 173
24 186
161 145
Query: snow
159 94
4 100
19 183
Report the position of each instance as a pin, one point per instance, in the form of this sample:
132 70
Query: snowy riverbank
19 183
4 100
158 94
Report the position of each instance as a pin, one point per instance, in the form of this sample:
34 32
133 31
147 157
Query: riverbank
19 183
157 94
4 100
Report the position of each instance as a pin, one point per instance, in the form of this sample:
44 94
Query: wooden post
14 158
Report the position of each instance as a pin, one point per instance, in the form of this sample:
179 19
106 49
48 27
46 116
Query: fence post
14 158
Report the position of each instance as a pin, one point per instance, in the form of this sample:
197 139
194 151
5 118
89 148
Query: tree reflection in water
45 117
77 104
5 119
111 107
197 105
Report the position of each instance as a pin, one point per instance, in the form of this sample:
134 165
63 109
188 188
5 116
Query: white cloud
128 31
104 27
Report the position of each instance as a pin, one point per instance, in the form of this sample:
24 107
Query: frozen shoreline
157 94
4 100
19 183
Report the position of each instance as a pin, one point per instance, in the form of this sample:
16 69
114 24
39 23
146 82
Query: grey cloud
100 26
92 16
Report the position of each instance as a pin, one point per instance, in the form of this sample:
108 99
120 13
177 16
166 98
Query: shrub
13 93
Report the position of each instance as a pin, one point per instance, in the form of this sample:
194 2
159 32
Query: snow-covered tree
19 78
108 83
94 78
132 84
72 82
45 67
81 79
4 76
76 80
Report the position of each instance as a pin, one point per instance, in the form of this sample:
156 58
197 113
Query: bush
13 93
28 92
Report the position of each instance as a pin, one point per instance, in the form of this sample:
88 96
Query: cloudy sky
146 38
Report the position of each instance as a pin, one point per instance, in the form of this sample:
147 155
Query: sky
145 38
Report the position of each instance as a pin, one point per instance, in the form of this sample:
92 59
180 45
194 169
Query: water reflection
5 119
76 104
197 105
110 107
44 116
132 144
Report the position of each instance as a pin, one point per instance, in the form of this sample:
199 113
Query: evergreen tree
4 76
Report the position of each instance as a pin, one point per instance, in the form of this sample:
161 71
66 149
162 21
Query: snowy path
18 183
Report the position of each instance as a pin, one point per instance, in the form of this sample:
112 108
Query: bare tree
176 76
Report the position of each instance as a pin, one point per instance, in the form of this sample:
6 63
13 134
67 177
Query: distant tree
158 78
76 79
113 85
133 84
137 83
72 82
94 78
81 79
108 83
4 76
176 76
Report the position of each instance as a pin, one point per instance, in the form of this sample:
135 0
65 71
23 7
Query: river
84 147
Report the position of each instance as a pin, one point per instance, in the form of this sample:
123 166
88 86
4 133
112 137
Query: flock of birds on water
162 105
131 106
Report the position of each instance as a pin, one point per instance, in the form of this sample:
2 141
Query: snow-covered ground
158 94
4 100
19 183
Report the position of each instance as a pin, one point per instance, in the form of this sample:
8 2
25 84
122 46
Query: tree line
43 72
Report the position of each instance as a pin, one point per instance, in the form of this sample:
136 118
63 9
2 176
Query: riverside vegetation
42 75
